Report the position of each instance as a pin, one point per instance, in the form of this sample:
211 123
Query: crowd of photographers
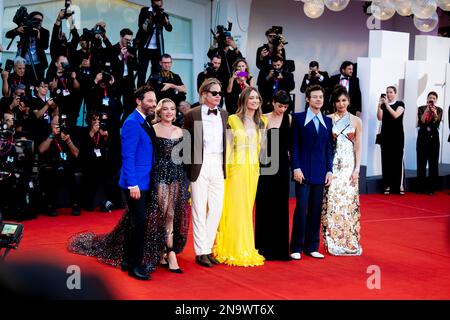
60 121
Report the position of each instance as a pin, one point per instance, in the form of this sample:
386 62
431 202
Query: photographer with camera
34 40
19 76
16 101
58 155
429 119
273 80
240 80
224 46
273 47
166 83
59 44
351 83
315 77
123 59
65 89
150 38
43 109
15 171
211 70
94 157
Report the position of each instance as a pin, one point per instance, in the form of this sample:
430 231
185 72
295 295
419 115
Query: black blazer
354 93
315 81
41 45
142 36
118 65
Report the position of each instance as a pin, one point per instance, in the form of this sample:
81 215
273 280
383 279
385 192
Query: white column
1 24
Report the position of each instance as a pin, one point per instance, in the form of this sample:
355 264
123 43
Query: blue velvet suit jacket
137 153
312 152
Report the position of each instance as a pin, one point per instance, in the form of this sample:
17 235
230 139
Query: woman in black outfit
240 79
428 120
390 113
272 196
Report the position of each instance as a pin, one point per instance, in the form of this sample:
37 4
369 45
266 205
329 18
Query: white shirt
152 44
310 115
344 82
212 131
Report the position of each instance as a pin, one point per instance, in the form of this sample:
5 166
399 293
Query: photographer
33 41
315 77
166 83
59 44
58 154
225 47
150 38
94 155
65 89
240 80
273 47
15 171
429 119
212 71
124 64
43 110
15 102
12 80
273 80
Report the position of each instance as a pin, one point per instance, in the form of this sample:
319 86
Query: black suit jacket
315 81
118 65
354 92
142 36
41 44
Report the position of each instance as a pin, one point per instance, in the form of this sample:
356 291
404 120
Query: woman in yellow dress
235 243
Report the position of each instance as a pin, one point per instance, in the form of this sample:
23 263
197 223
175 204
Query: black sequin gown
167 207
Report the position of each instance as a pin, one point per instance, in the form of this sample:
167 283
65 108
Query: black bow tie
212 111
344 78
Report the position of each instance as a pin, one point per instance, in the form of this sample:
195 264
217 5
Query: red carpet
407 237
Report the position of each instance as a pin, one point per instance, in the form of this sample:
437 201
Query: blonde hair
242 106
206 86
159 107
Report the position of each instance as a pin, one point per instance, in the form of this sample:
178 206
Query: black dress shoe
212 259
139 274
203 261
124 266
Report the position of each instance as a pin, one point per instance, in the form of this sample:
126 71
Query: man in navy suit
312 163
137 159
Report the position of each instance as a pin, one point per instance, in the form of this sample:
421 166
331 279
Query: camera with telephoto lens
276 73
132 45
103 121
67 70
209 68
106 73
5 132
67 13
24 99
159 15
23 19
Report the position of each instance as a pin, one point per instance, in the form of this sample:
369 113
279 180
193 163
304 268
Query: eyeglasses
215 93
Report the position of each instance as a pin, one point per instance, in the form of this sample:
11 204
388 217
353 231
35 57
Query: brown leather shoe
203 261
212 259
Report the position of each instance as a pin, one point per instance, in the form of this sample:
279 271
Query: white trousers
207 194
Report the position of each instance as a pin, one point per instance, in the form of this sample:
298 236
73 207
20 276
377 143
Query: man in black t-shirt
166 83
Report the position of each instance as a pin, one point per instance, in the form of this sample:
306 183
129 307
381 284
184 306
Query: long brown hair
242 106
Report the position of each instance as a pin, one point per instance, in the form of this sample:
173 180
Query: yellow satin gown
235 242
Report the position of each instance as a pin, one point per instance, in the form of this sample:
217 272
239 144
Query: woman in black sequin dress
167 214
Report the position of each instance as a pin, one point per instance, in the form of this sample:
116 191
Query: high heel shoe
402 192
387 190
169 250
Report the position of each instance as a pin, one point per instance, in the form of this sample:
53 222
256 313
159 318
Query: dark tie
149 119
344 78
212 111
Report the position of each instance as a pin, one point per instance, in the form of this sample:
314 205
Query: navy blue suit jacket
312 152
137 153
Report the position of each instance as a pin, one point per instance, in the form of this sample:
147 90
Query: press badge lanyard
62 154
97 151
105 98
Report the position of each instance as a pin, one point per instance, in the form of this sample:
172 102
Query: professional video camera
10 236
23 19
67 11
221 34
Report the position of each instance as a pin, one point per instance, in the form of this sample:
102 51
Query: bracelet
51 136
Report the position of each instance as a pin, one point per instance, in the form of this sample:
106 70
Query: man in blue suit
312 163
137 159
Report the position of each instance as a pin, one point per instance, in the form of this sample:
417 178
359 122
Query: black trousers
306 223
144 57
133 249
53 179
427 148
392 163
97 174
